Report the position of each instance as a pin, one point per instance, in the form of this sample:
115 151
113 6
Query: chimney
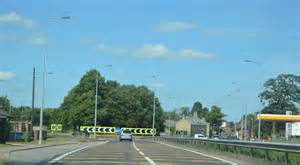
195 114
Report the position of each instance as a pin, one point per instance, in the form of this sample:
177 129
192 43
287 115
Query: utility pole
43 102
246 124
96 107
153 118
33 93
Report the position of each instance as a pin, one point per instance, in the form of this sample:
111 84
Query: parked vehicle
217 137
200 136
232 138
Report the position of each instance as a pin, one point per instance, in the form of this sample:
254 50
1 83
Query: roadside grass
294 159
51 138
4 145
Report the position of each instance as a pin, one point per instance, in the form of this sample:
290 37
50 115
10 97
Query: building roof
194 120
3 114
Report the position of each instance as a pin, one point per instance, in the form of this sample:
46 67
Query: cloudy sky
196 49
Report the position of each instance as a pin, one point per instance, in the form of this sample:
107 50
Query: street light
96 101
259 64
44 80
153 115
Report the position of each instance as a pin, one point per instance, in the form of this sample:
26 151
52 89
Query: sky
196 49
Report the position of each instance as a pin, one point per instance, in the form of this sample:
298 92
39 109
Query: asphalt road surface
138 152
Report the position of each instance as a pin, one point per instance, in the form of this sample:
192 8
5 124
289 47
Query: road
139 152
41 155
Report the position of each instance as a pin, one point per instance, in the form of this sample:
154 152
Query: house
3 117
191 125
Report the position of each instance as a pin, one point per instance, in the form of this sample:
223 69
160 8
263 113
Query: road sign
117 131
56 127
141 131
91 129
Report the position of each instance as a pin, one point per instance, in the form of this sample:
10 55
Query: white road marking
141 153
71 152
199 153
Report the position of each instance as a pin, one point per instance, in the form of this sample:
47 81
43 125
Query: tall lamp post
96 100
259 65
153 115
44 79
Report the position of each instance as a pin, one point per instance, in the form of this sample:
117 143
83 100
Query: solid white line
199 153
141 153
71 152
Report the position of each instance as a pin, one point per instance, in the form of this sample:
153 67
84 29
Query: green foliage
4 104
118 105
215 117
281 94
185 111
201 111
173 115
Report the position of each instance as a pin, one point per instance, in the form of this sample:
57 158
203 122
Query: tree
118 105
197 107
215 117
4 104
173 115
281 94
78 105
204 112
185 111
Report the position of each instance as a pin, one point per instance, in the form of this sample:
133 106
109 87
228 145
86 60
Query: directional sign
141 131
56 127
117 131
103 130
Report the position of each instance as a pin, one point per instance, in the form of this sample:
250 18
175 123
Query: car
232 137
126 135
217 137
199 136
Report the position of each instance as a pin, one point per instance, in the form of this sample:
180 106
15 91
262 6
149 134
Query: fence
237 146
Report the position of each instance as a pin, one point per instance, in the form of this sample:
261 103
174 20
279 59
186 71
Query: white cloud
151 51
13 18
194 54
161 51
38 40
109 49
6 76
175 26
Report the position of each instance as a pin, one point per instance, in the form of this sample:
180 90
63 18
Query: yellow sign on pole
56 127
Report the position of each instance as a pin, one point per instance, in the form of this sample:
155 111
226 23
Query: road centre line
141 153
71 152
198 153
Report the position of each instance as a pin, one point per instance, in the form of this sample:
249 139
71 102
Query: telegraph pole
33 93
96 104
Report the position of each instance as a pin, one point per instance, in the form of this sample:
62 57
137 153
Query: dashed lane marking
141 153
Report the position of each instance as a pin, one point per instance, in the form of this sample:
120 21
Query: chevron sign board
141 131
103 130
114 130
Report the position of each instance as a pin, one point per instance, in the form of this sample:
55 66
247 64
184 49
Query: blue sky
195 48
